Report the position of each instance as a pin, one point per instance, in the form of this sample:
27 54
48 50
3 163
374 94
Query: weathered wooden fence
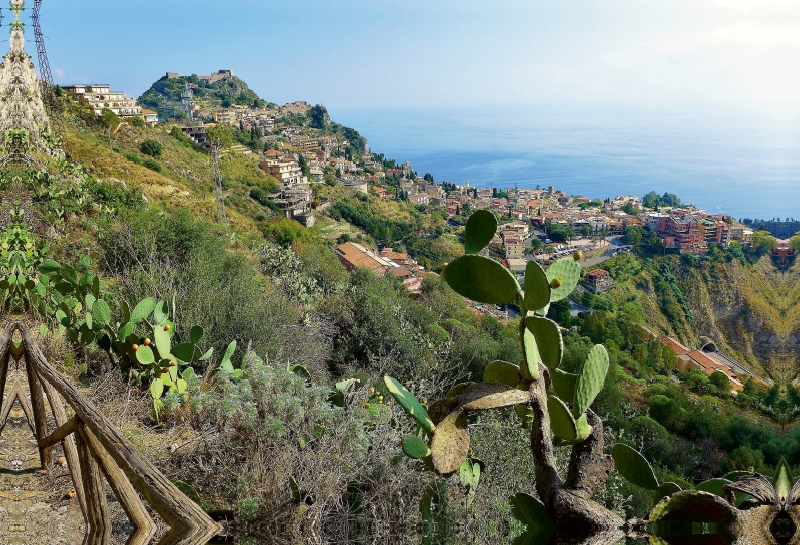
96 450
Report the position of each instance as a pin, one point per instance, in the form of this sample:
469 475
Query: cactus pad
548 340
439 410
480 230
634 467
564 383
583 427
569 271
537 287
591 378
456 390
714 486
561 421
450 443
409 403
531 359
502 372
484 396
666 489
783 479
481 279
413 447
529 511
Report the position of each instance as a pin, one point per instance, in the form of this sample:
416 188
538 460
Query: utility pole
46 83
187 98
216 148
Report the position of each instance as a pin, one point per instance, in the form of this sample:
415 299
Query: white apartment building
100 96
287 173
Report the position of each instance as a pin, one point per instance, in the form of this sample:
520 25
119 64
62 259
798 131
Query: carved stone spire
21 106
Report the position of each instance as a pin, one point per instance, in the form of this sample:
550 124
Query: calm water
745 165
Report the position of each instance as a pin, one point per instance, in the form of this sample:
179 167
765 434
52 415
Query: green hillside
327 432
164 96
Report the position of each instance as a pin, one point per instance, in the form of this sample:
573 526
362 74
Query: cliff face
751 311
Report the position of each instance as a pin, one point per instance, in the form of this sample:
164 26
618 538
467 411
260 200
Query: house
515 251
354 256
100 97
150 117
706 361
287 173
598 280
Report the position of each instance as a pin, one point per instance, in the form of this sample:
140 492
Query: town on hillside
540 224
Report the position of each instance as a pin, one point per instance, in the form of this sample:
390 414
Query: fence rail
96 450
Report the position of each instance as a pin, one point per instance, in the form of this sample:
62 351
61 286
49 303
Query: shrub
152 148
137 122
155 166
133 158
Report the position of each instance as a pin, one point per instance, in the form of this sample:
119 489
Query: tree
763 242
110 122
221 134
721 381
329 176
560 232
152 148
318 117
428 177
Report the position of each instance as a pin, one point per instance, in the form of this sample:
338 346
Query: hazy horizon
360 54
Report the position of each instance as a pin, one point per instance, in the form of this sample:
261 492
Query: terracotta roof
597 272
677 347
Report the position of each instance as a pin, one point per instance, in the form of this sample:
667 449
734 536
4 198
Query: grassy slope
187 179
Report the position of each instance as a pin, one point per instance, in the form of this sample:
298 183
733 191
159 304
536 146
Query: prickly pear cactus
567 272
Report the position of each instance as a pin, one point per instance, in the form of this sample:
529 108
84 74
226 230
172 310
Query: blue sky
432 53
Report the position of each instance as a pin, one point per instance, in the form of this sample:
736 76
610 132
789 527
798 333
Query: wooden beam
189 524
60 434
17 394
5 355
99 531
145 528
39 414
70 448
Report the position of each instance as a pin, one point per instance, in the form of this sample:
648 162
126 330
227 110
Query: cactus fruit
634 467
537 287
556 282
591 378
147 341
480 230
135 347
568 271
561 421
167 327
450 443
548 340
502 372
414 448
481 279
409 403
578 255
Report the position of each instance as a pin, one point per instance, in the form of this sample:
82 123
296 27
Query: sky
436 53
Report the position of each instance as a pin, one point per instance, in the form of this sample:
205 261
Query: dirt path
34 505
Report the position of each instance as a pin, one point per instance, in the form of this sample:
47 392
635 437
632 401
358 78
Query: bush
137 122
133 158
155 166
152 148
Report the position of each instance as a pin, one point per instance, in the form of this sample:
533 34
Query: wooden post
189 524
99 525
61 433
39 414
70 448
5 357
16 393
124 491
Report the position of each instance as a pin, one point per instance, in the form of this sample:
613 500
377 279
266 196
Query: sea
745 164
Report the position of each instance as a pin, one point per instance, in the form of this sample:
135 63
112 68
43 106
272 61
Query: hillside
164 96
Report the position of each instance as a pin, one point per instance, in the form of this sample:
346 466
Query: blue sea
743 164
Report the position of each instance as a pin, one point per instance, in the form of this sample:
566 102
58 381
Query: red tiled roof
677 347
